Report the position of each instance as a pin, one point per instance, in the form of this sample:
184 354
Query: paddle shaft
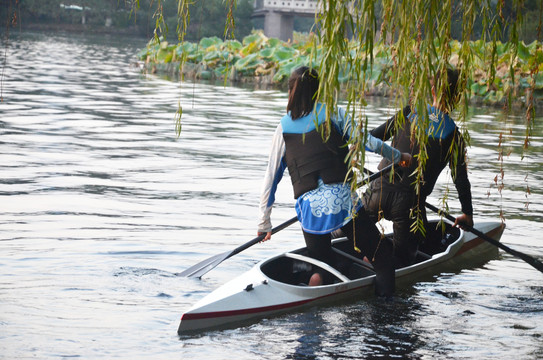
287 223
208 264
529 259
259 238
293 220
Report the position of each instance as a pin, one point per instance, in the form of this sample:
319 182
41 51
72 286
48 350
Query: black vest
309 158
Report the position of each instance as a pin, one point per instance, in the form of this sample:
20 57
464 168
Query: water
102 206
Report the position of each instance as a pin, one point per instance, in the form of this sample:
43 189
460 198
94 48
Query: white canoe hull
254 295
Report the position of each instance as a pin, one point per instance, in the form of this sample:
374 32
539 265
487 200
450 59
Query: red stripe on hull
478 241
231 313
218 314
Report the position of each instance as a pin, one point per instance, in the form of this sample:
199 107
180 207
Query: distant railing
297 6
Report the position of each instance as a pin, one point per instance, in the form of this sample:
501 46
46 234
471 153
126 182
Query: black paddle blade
204 266
529 259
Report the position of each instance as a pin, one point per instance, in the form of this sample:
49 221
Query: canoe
279 284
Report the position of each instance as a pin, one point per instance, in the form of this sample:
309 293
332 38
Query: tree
194 20
122 14
419 34
70 11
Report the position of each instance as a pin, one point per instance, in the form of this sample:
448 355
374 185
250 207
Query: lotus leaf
212 55
256 37
250 48
267 52
524 82
185 48
143 53
164 56
538 81
205 74
478 88
273 56
221 70
283 53
286 67
523 52
194 56
249 62
233 45
210 41
274 42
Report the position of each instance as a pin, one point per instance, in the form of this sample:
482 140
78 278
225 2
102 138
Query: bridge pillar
278 25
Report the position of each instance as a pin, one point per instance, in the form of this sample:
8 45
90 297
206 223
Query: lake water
102 206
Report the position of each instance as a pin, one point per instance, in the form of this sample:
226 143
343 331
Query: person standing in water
319 175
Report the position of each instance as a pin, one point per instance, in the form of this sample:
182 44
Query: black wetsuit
396 198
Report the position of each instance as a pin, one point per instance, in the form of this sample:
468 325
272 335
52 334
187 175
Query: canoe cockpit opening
296 268
440 234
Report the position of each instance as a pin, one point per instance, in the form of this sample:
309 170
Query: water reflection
362 330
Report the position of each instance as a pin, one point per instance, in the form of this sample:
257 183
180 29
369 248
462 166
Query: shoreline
132 31
268 63
199 73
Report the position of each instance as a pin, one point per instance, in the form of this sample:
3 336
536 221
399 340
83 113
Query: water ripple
103 206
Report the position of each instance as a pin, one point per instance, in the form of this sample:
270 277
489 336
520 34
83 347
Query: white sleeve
380 147
274 173
372 143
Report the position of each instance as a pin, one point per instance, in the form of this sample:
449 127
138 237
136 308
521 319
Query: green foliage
167 18
418 36
196 19
71 12
400 46
257 55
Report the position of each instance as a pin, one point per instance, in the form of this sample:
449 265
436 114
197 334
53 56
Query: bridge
279 15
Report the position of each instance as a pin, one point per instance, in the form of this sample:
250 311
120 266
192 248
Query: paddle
207 265
529 259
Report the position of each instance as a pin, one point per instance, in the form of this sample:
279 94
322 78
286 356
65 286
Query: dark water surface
102 207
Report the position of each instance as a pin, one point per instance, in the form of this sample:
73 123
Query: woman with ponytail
319 175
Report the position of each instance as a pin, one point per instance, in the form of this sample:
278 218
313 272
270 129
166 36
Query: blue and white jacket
329 206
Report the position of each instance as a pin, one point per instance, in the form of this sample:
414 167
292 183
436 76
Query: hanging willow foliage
418 34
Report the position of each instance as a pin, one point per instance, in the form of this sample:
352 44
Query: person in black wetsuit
396 198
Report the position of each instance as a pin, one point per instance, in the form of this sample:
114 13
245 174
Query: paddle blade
203 267
529 259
